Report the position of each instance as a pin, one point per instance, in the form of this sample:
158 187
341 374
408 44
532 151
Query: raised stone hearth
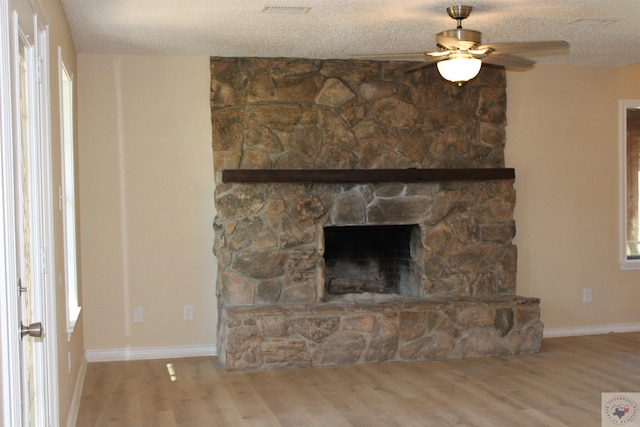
379 330
457 294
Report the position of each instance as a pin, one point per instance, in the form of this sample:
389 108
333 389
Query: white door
26 220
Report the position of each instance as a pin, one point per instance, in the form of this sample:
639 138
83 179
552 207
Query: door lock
33 330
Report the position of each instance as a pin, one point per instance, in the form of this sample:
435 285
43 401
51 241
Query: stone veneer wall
321 114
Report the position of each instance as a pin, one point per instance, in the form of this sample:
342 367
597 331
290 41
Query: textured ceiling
600 32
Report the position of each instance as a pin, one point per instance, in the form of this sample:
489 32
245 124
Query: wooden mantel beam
364 175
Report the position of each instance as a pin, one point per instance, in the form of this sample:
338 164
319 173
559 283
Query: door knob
33 330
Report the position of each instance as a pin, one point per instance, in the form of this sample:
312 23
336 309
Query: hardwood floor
560 386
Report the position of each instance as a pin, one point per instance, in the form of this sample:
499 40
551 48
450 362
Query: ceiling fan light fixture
459 68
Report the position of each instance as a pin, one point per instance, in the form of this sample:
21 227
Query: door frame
10 343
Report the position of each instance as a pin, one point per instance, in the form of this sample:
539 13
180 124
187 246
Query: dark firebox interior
361 259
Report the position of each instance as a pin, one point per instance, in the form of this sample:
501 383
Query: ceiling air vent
593 22
285 9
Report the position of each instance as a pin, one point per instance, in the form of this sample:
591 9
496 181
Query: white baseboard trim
591 330
74 407
148 353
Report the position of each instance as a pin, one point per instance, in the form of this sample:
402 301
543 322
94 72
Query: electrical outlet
138 314
188 312
586 295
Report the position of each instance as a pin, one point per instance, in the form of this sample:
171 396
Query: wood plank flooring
560 386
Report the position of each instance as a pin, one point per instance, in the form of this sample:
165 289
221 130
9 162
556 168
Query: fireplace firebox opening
370 259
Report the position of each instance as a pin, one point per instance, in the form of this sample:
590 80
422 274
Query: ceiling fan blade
510 61
480 53
528 48
428 62
438 53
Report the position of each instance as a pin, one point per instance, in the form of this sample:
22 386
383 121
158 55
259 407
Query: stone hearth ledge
384 330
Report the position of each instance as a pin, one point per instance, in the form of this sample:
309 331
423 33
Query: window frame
626 263
68 195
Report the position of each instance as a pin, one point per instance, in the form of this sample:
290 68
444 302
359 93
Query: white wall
146 197
562 140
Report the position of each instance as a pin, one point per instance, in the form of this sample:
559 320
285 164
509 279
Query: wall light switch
586 295
188 312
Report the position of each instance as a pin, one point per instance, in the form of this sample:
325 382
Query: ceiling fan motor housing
465 37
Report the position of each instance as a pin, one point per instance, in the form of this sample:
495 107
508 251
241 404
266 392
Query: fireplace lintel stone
364 175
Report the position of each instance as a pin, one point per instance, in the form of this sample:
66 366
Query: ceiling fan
461 53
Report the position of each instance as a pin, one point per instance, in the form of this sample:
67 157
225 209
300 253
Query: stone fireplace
336 243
